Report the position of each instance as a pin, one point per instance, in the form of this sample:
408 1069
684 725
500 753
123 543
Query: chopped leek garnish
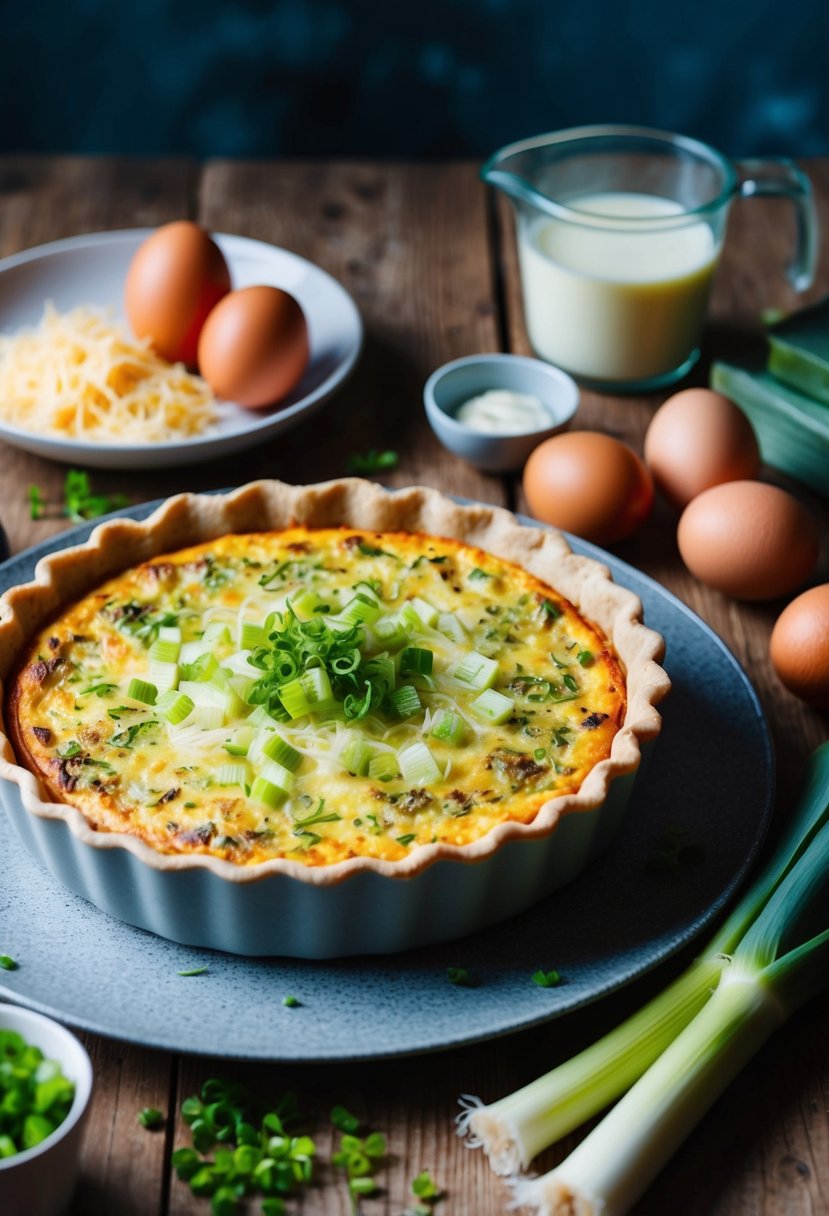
217 633
164 675
307 604
685 1046
416 661
392 631
240 741
233 774
140 690
169 633
252 635
356 755
208 717
267 793
275 748
449 727
362 609
475 670
448 624
204 667
164 651
174 706
417 764
383 767
492 706
424 612
405 702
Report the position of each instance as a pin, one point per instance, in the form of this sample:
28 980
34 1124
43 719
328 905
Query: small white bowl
454 383
39 1181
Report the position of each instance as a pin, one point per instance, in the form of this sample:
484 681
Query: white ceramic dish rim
260 420
559 415
189 518
75 1063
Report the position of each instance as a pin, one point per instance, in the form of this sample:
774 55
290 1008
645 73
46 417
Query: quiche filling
317 695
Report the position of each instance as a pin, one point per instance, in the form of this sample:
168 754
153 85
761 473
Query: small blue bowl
454 383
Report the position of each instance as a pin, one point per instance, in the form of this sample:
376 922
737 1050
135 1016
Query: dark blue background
413 78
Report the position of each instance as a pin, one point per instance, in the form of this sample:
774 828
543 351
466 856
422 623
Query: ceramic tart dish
324 720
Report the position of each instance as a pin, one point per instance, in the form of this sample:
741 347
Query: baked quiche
316 694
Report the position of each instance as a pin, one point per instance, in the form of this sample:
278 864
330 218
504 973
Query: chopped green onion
239 742
165 676
416 661
391 630
417 764
140 690
475 670
268 794
460 977
193 971
546 979
208 717
290 1002
405 701
307 604
217 633
478 575
363 609
383 767
164 651
252 635
275 748
372 462
449 625
7 963
202 669
584 658
492 706
151 1118
406 839
424 612
356 755
233 774
424 1188
449 727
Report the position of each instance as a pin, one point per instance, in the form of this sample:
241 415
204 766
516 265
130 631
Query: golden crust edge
188 519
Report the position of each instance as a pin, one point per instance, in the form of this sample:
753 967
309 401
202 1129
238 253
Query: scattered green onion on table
677 1054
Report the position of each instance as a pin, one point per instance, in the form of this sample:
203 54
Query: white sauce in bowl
503 412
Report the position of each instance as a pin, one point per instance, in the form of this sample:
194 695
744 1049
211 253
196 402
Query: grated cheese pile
80 376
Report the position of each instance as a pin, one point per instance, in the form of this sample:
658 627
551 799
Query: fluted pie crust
65 578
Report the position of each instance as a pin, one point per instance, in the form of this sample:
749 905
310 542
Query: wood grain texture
414 244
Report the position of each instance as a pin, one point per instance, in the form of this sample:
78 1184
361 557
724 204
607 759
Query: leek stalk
760 966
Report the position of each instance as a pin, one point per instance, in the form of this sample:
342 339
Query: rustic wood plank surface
431 264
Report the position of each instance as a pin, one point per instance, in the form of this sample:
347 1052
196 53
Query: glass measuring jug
619 231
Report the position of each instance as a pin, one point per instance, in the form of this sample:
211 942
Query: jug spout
502 171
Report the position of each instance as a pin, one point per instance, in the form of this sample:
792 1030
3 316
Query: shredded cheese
80 376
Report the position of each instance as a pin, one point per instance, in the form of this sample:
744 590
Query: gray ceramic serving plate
621 918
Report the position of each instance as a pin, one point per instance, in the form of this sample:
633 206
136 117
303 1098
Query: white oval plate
91 270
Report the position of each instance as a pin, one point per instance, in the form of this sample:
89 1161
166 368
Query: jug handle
781 177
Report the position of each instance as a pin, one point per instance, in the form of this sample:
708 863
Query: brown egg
799 646
174 279
698 439
590 484
748 539
254 346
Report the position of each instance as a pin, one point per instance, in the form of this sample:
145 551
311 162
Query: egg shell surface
749 540
253 348
799 646
590 484
174 280
698 439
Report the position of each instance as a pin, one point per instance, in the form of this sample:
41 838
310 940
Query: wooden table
430 260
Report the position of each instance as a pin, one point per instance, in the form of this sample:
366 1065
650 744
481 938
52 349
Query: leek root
682 1048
